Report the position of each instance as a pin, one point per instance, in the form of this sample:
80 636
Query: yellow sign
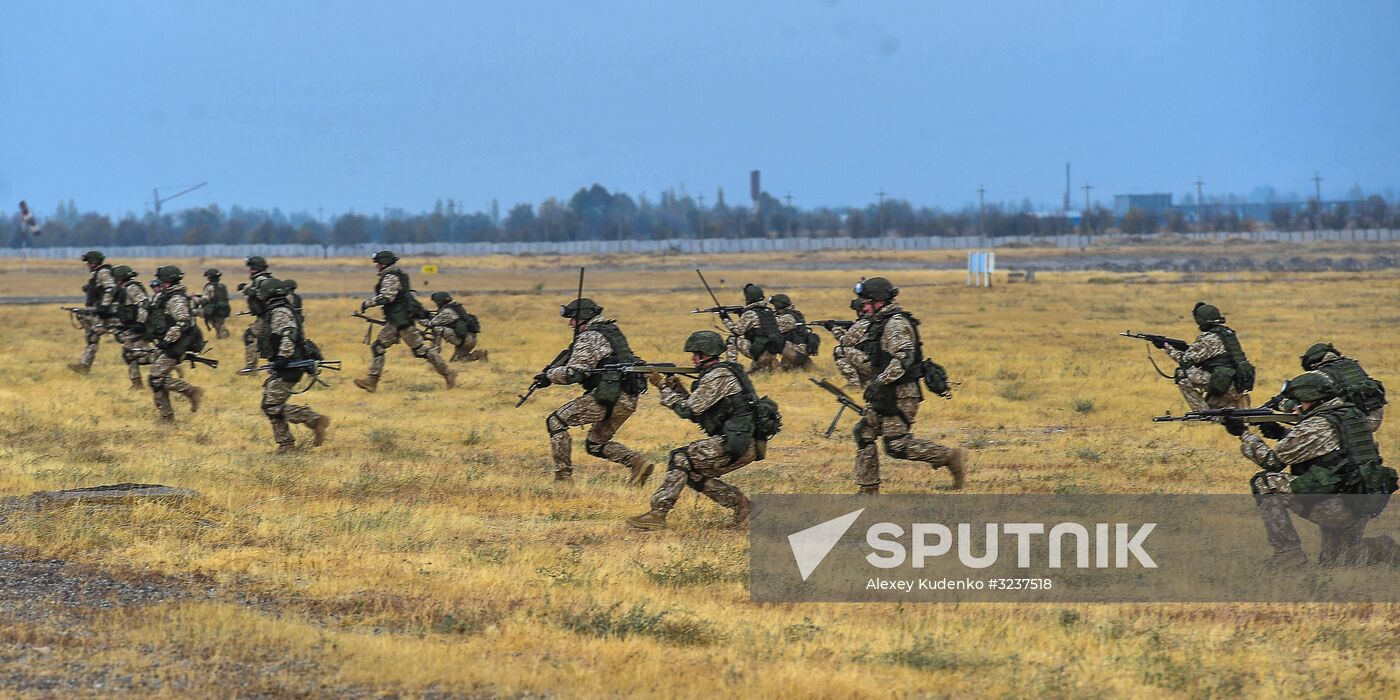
430 269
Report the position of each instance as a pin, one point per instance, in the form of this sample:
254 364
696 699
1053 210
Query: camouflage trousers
162 383
250 343
763 361
276 393
132 341
93 329
699 466
1193 383
219 324
795 357
900 442
463 348
852 364
411 336
585 410
1341 529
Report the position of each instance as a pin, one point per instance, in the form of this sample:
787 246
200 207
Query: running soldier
736 421
257 272
171 324
1330 452
799 342
457 326
401 311
1214 372
755 334
609 400
893 359
132 302
284 342
1349 379
99 293
213 304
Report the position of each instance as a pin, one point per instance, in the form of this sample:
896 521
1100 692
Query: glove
542 379
364 305
1234 426
105 312
280 363
1273 431
242 286
1159 343
873 391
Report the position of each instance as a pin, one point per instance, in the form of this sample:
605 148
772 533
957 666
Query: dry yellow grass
424 547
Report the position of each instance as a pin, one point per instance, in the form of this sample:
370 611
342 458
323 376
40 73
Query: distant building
1151 204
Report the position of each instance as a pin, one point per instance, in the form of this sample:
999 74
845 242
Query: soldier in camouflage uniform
1351 381
799 342
722 402
257 273
609 400
401 311
284 342
457 326
171 323
755 335
893 359
131 304
213 304
1321 457
850 361
1210 372
99 293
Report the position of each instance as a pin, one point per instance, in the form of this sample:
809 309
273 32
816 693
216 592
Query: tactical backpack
608 386
1233 370
1354 385
158 321
767 421
128 314
1355 468
404 309
465 322
766 337
218 305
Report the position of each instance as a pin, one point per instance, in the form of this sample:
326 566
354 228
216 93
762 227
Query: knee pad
594 448
249 336
861 440
555 424
377 348
92 337
678 460
421 350
157 384
696 482
273 410
897 447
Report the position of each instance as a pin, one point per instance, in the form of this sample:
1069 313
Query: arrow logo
810 546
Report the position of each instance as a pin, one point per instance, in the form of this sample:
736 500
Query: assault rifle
640 367
79 310
190 357
369 330
1177 343
312 366
718 308
832 324
1244 415
540 382
842 398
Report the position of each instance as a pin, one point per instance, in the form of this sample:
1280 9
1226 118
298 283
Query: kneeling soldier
401 311
737 422
799 342
610 398
1214 371
284 341
894 360
452 323
171 324
131 302
1350 380
1330 452
755 334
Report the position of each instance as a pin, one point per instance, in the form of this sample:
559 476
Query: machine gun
842 398
311 367
640 367
369 329
832 324
191 357
718 308
1252 416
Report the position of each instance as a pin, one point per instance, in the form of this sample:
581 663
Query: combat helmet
122 272
780 301
1310 387
169 274
876 289
583 309
1206 315
1312 357
93 256
213 274
385 257
256 262
752 293
441 298
707 343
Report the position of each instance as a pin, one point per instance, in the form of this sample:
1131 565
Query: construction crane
157 200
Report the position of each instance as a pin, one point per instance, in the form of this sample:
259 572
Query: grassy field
425 549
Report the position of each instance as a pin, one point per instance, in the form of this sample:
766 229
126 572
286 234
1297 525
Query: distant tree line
594 213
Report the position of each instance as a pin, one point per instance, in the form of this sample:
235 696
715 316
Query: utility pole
1317 197
881 195
792 220
702 216
1200 203
320 215
1067 188
981 208
1087 188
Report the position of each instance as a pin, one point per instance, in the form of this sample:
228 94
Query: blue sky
352 105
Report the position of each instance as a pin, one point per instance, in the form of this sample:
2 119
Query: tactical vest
798 334
1354 385
401 311
1357 447
1240 372
765 337
255 305
129 313
159 321
713 420
92 291
875 350
217 306
608 386
269 344
466 323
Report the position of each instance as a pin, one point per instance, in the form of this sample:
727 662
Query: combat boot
957 466
136 384
741 513
564 475
450 377
370 383
285 449
79 368
196 397
1287 560
650 520
640 473
868 490
318 430
479 355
